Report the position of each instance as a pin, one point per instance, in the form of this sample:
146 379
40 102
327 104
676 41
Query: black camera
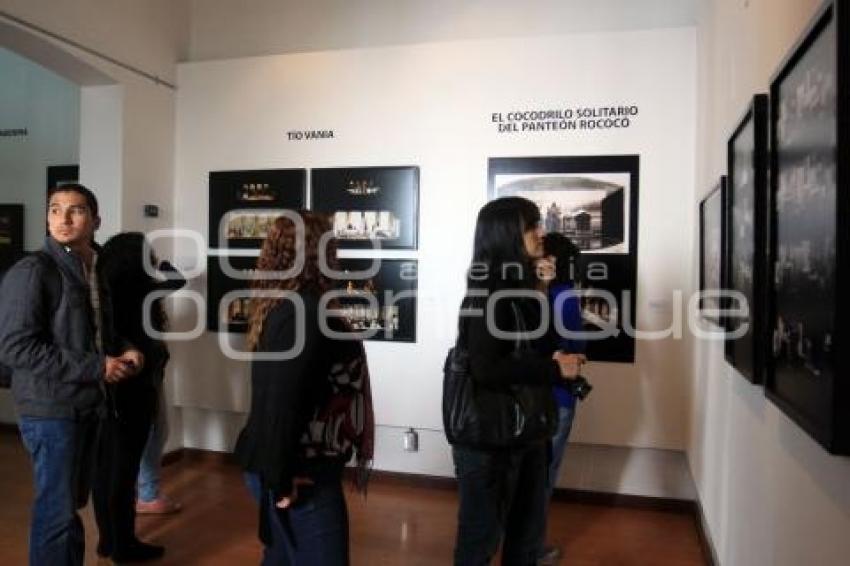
579 387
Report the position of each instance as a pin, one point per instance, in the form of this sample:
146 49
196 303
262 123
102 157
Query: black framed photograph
244 204
593 200
11 235
382 305
59 175
809 171
369 204
747 200
712 250
219 284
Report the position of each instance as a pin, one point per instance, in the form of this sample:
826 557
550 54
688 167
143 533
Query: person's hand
545 269
569 364
289 500
116 370
134 358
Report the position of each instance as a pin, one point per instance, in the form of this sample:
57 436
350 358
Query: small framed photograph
712 250
809 171
368 204
236 313
382 304
747 205
11 235
242 204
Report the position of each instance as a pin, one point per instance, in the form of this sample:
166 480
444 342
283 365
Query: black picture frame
712 251
366 203
11 235
259 193
608 233
58 175
394 287
809 171
747 203
219 284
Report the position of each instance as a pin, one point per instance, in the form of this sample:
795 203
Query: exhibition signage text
13 132
577 118
308 135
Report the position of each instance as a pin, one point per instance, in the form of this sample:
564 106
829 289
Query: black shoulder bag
477 416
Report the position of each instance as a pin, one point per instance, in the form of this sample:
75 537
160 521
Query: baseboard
671 505
11 428
705 542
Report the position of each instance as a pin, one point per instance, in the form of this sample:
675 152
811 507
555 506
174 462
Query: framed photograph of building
242 204
593 200
368 204
746 240
712 252
218 284
587 199
809 172
11 235
384 303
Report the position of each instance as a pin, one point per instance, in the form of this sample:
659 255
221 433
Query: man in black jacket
56 335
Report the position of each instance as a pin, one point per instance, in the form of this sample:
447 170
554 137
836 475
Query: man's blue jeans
61 451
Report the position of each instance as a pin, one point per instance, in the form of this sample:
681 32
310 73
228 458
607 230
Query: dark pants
62 451
121 441
314 531
501 493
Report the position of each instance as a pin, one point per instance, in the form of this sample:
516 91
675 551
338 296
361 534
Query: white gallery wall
770 494
126 121
47 106
430 105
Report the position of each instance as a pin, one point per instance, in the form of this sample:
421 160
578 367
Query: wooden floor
397 525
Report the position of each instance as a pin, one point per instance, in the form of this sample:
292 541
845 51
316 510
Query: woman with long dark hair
133 402
311 406
502 490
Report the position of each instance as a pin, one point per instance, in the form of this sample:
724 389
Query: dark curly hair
278 254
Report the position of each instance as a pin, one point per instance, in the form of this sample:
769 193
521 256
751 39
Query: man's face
70 220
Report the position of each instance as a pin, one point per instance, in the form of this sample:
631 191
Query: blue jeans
150 466
314 531
62 453
559 445
502 492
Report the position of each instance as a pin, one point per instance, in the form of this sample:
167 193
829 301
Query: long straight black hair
499 258
121 264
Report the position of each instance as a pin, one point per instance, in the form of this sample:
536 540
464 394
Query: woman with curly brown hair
311 405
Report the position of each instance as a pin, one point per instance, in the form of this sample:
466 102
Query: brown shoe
159 506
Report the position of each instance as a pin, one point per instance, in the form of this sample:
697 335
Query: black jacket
494 361
49 341
285 393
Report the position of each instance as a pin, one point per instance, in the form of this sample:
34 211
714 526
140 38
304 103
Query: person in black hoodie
503 490
56 335
124 432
